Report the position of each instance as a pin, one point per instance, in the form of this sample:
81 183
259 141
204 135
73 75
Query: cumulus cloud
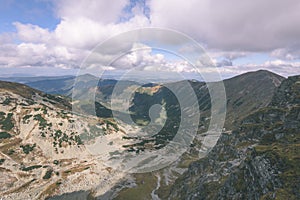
284 68
32 33
140 58
96 10
232 25
286 53
228 29
86 33
83 25
229 55
224 63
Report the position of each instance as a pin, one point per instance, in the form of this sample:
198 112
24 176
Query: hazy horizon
39 38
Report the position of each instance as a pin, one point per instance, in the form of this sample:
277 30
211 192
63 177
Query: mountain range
44 145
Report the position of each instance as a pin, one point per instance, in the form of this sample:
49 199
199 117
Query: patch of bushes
56 162
57 134
28 148
7 122
31 167
6 101
48 174
109 123
4 135
42 121
2 115
25 118
78 140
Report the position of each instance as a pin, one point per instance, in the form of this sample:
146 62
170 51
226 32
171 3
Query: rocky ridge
260 160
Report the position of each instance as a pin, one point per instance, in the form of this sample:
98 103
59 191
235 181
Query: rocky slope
55 137
259 160
246 94
43 149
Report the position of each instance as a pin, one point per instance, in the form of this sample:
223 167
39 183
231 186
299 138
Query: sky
44 37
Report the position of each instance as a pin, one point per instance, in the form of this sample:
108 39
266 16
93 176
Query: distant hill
245 93
29 79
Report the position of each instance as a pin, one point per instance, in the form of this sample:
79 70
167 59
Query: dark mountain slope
248 92
56 86
64 85
245 93
33 78
260 160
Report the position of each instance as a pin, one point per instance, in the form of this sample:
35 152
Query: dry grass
145 184
20 188
49 191
74 170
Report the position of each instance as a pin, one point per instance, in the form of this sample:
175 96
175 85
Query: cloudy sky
44 37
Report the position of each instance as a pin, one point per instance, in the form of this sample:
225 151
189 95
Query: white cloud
286 53
230 29
83 25
99 11
232 25
142 58
32 33
86 33
284 68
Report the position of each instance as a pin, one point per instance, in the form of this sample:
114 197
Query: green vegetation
28 148
44 109
43 134
2 160
56 162
31 167
114 125
6 123
61 137
78 140
4 135
26 118
101 110
48 174
2 114
57 134
145 184
42 121
286 158
6 101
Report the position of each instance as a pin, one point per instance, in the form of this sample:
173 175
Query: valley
48 150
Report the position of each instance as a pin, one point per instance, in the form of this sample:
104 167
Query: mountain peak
258 74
